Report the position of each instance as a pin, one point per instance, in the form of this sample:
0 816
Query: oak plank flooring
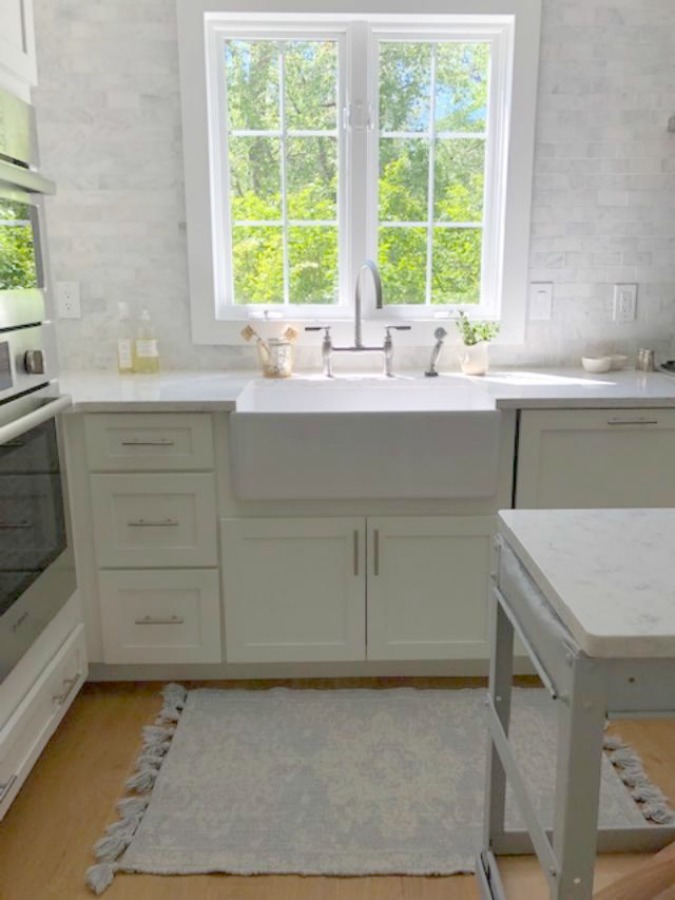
47 835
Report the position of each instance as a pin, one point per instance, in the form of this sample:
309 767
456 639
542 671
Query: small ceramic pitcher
473 358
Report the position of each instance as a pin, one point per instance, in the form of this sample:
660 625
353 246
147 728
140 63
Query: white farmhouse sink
365 438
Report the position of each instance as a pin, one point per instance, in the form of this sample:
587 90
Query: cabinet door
17 39
428 580
294 589
596 458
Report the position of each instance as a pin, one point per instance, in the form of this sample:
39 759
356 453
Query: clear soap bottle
125 341
146 351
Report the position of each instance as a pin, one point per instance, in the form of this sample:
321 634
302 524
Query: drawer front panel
160 617
156 441
154 520
29 728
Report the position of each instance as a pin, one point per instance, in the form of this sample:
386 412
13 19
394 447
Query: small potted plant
473 357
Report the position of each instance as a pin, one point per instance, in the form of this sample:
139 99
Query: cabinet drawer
596 458
154 520
31 725
160 617
156 441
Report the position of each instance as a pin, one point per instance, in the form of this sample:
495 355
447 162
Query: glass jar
276 358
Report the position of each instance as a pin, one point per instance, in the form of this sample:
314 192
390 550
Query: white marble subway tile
604 180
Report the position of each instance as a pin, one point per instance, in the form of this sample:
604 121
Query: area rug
339 782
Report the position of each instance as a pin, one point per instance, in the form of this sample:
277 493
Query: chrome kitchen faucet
387 348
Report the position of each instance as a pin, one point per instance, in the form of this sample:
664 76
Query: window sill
228 332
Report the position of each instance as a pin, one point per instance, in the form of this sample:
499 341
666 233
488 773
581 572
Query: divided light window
284 161
321 164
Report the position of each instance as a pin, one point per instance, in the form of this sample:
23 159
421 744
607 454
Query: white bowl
618 360
596 363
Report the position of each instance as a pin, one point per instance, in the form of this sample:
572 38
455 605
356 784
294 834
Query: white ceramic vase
473 359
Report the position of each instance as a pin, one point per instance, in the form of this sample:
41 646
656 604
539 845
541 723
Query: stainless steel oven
37 572
37 575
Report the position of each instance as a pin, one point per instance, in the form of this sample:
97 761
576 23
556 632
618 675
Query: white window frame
512 25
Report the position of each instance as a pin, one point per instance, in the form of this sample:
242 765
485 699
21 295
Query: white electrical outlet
540 301
625 302
68 300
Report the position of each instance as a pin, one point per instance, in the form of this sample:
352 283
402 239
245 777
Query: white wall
604 199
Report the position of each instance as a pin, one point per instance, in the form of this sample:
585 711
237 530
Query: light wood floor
47 835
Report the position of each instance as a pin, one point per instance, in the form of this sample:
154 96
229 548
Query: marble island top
607 573
198 391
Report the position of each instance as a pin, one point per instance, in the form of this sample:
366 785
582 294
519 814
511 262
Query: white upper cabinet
17 40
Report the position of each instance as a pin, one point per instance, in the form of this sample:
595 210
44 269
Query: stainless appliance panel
37 571
14 347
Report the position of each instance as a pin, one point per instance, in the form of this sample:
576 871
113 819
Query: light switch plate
625 302
540 301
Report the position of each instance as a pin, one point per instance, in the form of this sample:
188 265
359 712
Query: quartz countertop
607 573
197 391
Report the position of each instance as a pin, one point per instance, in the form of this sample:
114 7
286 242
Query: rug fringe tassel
118 835
100 876
653 803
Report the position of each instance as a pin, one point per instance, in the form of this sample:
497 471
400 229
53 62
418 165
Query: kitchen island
591 595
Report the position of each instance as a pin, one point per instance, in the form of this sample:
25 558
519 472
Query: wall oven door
37 573
22 271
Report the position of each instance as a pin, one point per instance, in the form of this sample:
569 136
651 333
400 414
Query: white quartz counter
507 389
607 573
165 392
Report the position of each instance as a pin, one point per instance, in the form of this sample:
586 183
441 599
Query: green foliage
475 332
17 260
310 170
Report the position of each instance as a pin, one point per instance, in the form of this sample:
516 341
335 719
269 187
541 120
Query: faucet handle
324 328
398 327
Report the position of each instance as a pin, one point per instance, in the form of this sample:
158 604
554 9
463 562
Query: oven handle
15 429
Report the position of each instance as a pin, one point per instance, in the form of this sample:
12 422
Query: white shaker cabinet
586 458
303 589
17 40
294 589
151 485
428 579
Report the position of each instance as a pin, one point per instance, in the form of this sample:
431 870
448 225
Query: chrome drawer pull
148 620
7 787
638 421
69 685
153 523
15 525
163 442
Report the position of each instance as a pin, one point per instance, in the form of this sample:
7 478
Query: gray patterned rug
341 782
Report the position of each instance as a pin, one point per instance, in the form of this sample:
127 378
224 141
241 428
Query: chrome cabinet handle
376 552
640 420
163 442
7 787
69 686
153 523
148 620
356 551
12 526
